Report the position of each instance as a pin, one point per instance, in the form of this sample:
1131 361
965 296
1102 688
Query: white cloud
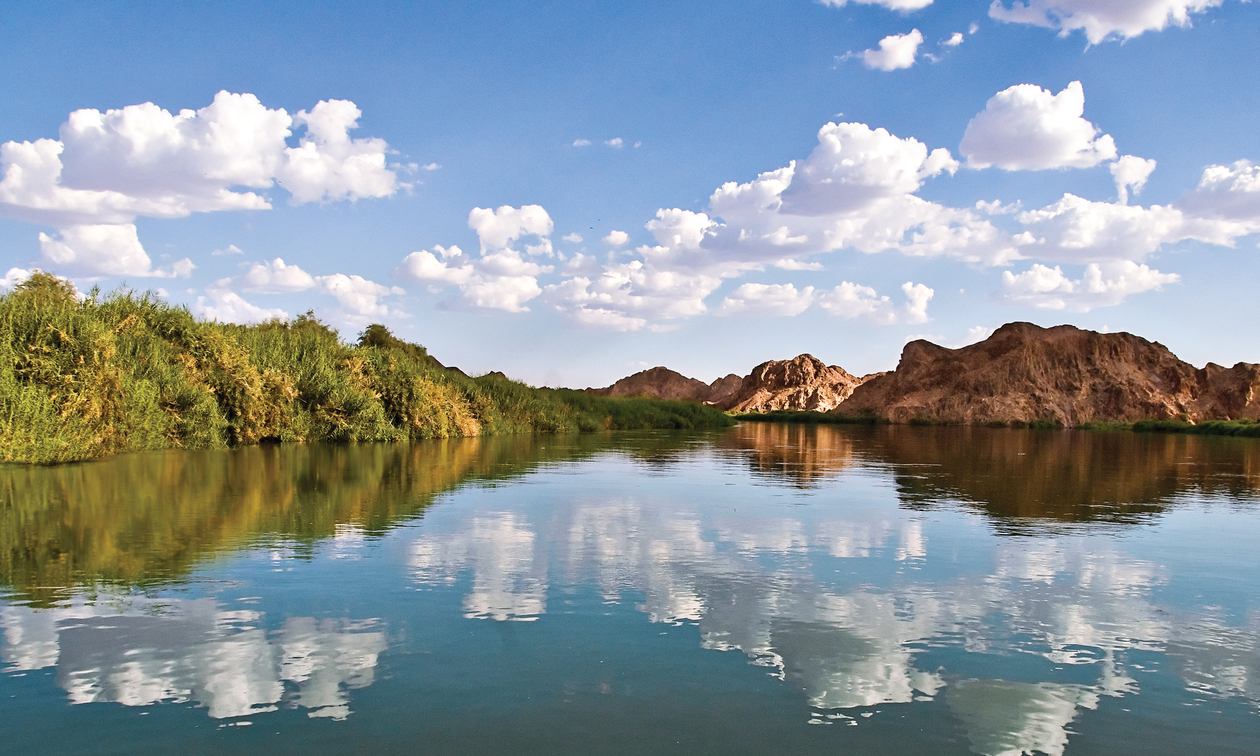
616 238
1227 192
1131 172
357 295
498 228
328 165
1026 127
1101 21
1077 230
500 278
976 334
573 238
108 168
274 277
1100 286
767 299
14 277
231 249
897 5
954 41
615 143
895 51
226 306
104 250
850 300
581 143
426 267
430 167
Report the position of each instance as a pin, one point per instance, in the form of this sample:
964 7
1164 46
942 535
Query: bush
83 378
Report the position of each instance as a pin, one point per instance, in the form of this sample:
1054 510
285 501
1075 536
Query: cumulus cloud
329 165
767 299
226 306
105 250
14 277
857 191
1077 230
357 296
1102 285
1026 127
230 249
108 168
615 142
895 51
1101 21
616 238
581 143
274 277
1227 192
573 238
954 41
1131 172
500 278
850 300
897 5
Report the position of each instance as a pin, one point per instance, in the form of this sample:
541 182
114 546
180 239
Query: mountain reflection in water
1017 585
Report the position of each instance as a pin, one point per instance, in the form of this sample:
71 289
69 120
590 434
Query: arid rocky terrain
1022 373
1063 374
802 383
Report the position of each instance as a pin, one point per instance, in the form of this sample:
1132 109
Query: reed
82 378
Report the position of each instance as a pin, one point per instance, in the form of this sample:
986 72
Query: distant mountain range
1022 373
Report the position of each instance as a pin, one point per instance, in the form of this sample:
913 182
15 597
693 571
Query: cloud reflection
194 650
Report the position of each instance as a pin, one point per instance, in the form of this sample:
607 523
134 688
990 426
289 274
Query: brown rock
1063 374
659 383
802 383
723 389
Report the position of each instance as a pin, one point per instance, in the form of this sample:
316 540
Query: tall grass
84 378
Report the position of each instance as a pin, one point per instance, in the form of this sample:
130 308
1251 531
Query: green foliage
84 378
1244 428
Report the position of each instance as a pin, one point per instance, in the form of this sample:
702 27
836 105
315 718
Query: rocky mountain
801 383
1063 374
659 383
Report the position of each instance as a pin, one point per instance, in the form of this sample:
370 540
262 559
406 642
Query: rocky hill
659 383
801 383
1063 374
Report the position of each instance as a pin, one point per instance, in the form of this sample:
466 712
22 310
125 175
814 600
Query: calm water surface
764 590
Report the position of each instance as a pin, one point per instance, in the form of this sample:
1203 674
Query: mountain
802 383
659 383
1063 374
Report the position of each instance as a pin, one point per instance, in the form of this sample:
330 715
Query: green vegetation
807 416
82 379
1248 428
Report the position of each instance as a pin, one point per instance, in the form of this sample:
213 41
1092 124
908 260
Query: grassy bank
81 379
808 416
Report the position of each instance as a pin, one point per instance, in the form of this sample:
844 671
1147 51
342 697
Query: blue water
768 589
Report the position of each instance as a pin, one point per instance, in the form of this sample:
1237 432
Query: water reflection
148 651
763 584
991 574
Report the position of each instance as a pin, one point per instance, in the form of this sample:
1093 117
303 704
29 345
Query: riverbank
1242 428
84 378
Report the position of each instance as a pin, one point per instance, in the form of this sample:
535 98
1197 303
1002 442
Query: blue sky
749 180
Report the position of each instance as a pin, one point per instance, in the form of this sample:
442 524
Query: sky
570 192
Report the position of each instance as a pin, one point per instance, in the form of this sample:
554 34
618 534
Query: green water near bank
764 589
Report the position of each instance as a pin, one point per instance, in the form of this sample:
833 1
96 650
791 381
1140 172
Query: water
767 589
